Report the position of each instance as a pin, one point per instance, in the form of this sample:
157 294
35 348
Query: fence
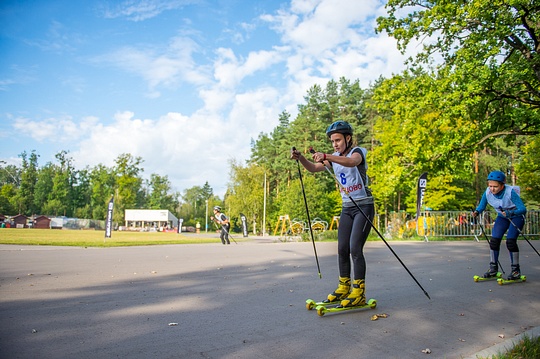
451 224
77 223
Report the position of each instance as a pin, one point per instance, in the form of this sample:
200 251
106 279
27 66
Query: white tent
158 218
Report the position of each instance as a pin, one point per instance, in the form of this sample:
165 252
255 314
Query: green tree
24 199
60 200
161 196
44 186
503 35
490 75
528 170
102 181
321 203
414 137
7 192
82 194
128 185
193 205
246 193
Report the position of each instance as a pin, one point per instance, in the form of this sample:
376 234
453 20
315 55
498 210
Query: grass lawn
527 348
90 238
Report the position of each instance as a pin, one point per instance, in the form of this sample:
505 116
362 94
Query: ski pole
520 232
372 225
308 218
485 236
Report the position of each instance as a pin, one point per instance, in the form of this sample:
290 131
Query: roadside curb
505 346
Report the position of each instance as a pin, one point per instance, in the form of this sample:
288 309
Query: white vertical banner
109 221
420 191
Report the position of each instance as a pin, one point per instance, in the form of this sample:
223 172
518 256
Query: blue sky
184 84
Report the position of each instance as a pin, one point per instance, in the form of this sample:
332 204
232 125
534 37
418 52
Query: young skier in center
350 167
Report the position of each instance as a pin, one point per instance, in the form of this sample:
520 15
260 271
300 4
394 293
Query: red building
42 222
20 221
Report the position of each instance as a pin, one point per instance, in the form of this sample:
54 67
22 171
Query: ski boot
341 292
515 274
493 270
357 296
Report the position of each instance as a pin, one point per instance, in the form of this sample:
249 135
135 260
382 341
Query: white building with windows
149 218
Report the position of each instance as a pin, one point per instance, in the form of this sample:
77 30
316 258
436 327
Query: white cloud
139 10
327 25
333 38
188 150
166 67
229 70
56 130
256 111
215 99
304 6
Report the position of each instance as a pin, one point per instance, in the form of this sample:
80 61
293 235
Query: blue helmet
339 127
497 176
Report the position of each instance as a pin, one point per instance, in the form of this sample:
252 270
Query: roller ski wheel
311 304
322 310
503 281
479 278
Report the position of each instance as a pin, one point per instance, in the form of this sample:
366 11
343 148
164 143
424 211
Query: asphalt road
247 300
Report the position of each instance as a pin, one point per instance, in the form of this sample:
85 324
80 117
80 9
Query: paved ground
247 300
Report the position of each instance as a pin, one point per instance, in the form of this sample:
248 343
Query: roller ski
311 304
322 310
514 277
492 273
521 278
478 278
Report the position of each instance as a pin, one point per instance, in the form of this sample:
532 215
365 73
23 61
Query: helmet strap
349 144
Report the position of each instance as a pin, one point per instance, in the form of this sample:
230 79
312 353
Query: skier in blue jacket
510 217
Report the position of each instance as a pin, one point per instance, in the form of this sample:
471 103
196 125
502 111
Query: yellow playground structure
296 226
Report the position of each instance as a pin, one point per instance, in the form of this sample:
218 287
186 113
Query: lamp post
206 218
264 206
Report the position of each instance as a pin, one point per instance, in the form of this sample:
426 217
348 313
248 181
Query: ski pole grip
293 150
312 151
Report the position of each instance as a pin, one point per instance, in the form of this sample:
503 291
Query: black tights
224 236
352 235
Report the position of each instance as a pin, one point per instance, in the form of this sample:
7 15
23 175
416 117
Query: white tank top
351 178
505 201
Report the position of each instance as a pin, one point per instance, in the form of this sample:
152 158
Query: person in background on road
510 217
349 164
222 220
